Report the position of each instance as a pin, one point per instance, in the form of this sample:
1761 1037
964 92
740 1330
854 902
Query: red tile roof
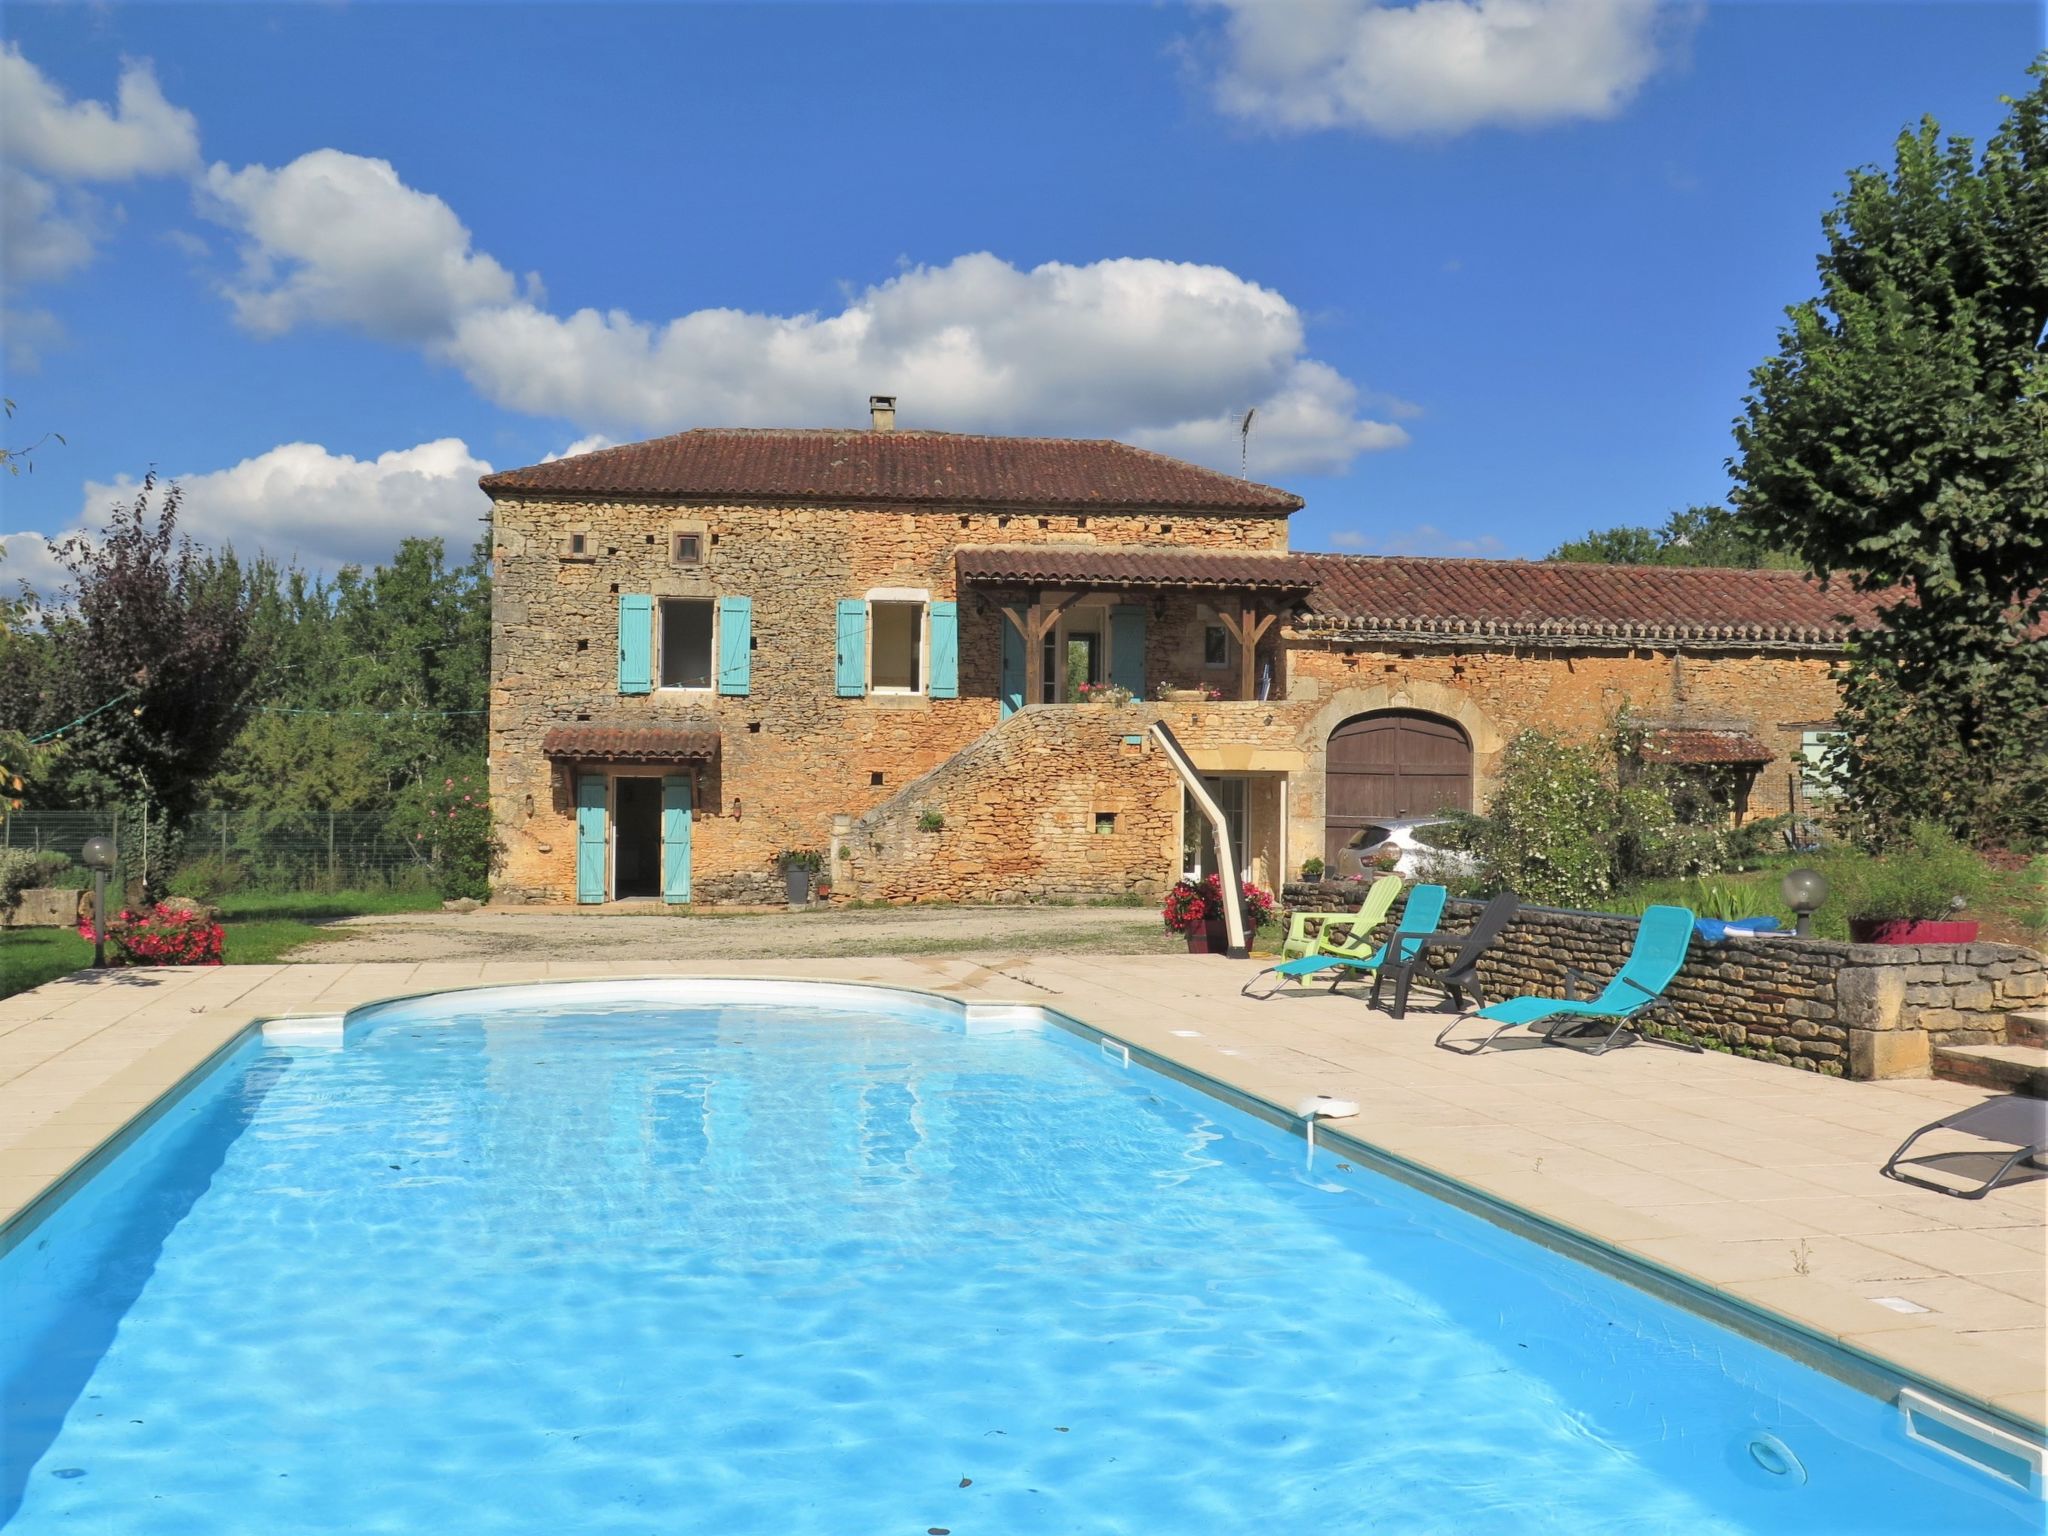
1123 565
1678 744
1408 597
634 742
894 468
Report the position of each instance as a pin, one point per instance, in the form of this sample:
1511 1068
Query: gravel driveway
653 935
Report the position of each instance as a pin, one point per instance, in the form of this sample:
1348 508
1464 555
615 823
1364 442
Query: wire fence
269 851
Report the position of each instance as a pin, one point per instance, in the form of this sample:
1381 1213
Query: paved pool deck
1754 1179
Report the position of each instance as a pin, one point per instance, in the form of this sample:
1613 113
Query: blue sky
1493 271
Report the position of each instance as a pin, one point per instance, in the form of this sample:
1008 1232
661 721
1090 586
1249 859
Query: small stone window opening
1215 646
875 780
578 543
966 521
582 645
1045 522
753 727
1105 823
688 549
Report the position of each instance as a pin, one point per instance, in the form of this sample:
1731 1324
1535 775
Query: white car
1423 850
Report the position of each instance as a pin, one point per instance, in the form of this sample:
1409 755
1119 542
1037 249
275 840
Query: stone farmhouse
882 646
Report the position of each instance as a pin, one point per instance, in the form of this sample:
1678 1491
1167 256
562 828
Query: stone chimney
882 412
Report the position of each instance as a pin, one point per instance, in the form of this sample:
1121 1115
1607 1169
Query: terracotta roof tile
1120 565
1396 596
894 468
632 742
1678 744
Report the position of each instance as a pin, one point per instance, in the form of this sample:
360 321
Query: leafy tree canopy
1898 441
1690 536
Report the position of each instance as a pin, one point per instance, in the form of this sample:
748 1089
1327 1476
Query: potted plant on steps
1913 894
1194 909
799 868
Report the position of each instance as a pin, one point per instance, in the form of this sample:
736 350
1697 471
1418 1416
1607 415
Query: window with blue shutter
945 668
852 657
735 644
1013 670
591 805
636 643
1127 648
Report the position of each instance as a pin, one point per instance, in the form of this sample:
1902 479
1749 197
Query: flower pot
1208 937
1181 695
796 880
1909 930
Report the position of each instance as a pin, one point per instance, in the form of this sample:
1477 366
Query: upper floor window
1215 646
687 549
1815 749
686 650
896 646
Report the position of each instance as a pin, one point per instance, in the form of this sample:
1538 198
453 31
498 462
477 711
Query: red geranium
167 934
1190 904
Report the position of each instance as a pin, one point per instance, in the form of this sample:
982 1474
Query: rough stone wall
794 754
1019 812
1860 1010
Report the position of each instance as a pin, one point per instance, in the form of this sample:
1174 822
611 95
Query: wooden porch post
1247 629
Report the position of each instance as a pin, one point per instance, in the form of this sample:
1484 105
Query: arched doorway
1392 763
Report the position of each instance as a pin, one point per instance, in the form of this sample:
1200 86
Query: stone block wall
1022 817
1856 1010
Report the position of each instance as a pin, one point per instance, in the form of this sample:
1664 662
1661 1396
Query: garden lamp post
98 854
1804 890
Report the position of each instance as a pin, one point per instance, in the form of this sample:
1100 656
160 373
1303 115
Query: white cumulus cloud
141 135
338 239
1162 352
1437 66
1416 539
299 501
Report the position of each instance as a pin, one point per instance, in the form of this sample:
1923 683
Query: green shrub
1311 869
24 869
1549 832
206 879
930 821
1926 877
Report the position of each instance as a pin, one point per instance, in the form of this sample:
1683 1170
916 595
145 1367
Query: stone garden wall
1856 1010
1057 802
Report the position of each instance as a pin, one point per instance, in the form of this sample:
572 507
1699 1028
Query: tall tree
1899 440
158 659
1690 536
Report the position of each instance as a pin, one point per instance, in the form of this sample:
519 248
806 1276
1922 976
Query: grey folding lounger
1458 977
2014 1121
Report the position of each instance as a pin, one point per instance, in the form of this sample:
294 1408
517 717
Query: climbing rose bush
169 933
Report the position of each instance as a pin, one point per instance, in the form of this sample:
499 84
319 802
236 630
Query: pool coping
1861 1369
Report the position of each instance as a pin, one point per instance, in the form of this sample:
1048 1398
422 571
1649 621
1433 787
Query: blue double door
632 836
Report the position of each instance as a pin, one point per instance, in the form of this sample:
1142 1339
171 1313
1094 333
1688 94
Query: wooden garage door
1392 764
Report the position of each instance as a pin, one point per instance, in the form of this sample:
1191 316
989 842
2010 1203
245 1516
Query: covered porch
1162 625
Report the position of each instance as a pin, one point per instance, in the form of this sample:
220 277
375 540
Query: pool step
2009 1068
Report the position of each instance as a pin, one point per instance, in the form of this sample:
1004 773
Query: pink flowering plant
170 933
451 834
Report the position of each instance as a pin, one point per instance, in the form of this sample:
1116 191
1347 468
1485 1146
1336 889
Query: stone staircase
2020 1065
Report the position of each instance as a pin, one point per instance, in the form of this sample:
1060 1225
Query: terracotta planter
1208 937
1909 930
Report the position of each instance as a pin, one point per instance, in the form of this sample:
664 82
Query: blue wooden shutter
945 682
735 644
636 643
1013 669
590 819
675 837
853 647
1127 648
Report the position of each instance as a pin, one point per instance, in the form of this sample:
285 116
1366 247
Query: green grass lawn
262 926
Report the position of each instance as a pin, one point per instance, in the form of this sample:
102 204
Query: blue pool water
851 1270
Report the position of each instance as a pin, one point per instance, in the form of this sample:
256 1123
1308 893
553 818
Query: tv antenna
1244 444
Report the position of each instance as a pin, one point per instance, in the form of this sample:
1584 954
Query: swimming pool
623 1260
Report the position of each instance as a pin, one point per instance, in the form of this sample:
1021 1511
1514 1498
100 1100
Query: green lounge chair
1380 897
1662 938
1424 906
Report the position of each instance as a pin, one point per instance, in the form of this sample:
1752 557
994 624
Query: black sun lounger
1461 974
2013 1121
